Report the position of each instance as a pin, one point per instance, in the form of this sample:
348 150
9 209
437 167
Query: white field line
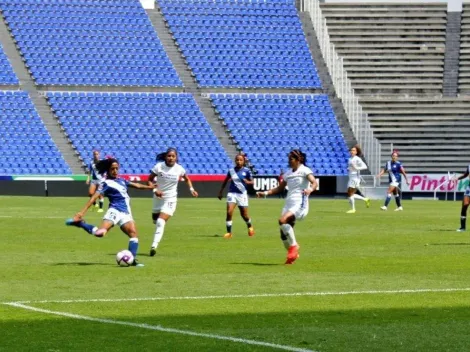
162 329
255 295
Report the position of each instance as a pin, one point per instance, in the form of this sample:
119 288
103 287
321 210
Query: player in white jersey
94 178
355 165
301 183
119 212
465 201
166 174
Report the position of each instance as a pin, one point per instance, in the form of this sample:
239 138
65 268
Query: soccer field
370 281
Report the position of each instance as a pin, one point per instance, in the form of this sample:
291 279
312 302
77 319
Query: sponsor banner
429 183
194 178
265 183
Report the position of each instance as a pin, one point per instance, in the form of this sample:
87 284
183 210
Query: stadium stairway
394 55
186 76
38 99
325 77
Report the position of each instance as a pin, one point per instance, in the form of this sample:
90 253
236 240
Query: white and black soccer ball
124 258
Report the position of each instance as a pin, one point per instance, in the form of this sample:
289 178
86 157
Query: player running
301 183
355 165
395 170
94 178
166 174
240 177
119 212
465 201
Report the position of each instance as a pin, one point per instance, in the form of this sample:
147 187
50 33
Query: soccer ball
124 258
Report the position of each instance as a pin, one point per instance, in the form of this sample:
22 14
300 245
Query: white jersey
355 165
297 181
168 178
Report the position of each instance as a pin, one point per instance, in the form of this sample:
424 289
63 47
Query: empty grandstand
7 76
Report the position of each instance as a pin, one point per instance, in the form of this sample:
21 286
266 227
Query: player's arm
190 185
281 187
381 172
403 172
465 175
227 178
88 177
313 184
140 185
151 180
249 180
360 165
79 216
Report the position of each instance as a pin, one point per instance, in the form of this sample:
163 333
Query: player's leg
91 229
390 191
228 218
161 221
286 222
397 194
463 212
351 191
247 219
129 228
91 191
101 202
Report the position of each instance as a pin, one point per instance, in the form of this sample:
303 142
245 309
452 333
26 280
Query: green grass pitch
370 281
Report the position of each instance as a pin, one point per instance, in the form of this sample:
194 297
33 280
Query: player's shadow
80 264
258 264
451 244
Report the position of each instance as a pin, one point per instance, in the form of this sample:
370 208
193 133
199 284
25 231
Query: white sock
159 229
357 196
289 232
351 201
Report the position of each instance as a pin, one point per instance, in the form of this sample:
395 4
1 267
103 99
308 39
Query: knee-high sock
228 226
159 229
133 246
351 201
284 240
289 232
387 200
463 217
357 196
398 200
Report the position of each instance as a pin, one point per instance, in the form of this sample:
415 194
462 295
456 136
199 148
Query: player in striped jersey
301 182
395 169
119 212
240 176
94 178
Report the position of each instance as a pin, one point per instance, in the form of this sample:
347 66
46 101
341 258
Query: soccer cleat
352 211
399 209
96 205
461 230
384 208
100 232
228 235
251 231
153 251
70 222
99 210
367 200
135 263
292 254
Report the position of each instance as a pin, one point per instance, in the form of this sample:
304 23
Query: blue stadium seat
25 145
134 127
7 76
89 43
265 129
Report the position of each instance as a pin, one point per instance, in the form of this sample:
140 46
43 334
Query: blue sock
387 200
398 200
133 246
87 227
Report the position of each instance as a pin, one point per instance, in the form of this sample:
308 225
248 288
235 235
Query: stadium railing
357 117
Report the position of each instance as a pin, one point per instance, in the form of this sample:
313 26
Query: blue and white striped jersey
116 191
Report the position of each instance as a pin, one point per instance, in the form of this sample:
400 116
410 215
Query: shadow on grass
258 264
451 244
82 264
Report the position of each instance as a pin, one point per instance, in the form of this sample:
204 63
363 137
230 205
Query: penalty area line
255 295
161 328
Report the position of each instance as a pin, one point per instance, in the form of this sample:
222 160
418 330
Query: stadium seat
266 127
25 145
7 76
136 126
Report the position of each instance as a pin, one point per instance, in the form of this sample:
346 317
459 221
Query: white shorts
300 211
395 184
167 206
117 217
354 182
238 198
95 182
